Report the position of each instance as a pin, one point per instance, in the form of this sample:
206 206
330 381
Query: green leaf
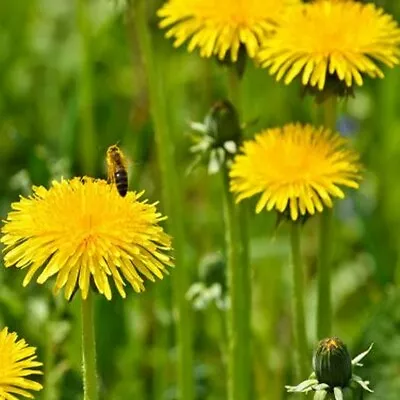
356 360
337 391
320 395
321 386
363 384
304 386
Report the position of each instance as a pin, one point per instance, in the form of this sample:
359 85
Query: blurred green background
72 82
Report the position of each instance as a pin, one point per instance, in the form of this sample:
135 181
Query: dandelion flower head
296 168
84 232
326 38
216 27
17 362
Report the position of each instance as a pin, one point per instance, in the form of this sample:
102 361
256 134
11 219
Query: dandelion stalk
222 136
87 136
239 336
324 312
234 89
171 198
89 350
298 300
239 277
49 392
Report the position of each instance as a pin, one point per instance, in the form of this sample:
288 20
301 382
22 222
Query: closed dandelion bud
223 123
211 287
212 270
333 376
218 137
332 363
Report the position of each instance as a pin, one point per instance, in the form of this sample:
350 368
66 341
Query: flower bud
332 363
212 270
222 123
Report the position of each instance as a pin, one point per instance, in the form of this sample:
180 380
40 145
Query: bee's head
113 150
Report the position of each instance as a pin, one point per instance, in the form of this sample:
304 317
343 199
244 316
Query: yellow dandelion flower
17 361
84 232
296 168
217 27
341 39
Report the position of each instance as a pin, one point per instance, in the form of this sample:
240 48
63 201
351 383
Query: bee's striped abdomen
121 181
117 169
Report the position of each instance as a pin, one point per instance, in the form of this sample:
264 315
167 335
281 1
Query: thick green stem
88 162
384 118
87 135
239 335
298 302
172 200
49 392
324 312
89 350
324 315
234 89
239 278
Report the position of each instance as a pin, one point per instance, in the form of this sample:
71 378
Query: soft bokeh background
46 75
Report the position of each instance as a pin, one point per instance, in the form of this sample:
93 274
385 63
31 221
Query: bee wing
123 160
110 171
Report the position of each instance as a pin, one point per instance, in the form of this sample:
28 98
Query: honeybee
117 169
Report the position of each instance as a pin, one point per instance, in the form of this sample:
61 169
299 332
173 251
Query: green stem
49 392
89 350
385 116
239 277
324 312
87 135
239 334
298 301
224 338
162 340
234 89
172 200
330 113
